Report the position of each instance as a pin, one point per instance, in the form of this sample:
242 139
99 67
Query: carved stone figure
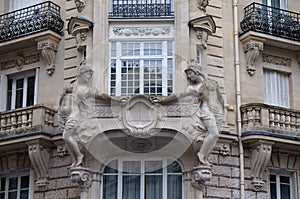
202 4
208 119
80 5
74 108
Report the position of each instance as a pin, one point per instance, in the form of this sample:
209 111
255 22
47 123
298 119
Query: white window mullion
278 186
165 69
142 184
36 85
25 86
13 94
118 69
120 178
141 86
165 176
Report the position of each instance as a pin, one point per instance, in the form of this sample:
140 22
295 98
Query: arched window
142 179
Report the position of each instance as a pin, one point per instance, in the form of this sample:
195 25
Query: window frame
294 181
142 174
14 78
288 84
20 174
166 57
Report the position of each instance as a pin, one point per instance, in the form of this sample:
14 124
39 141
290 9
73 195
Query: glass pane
13 183
112 167
110 186
132 167
24 194
19 93
285 191
2 195
153 187
153 167
24 182
285 179
173 167
30 91
131 187
3 180
12 195
174 186
9 94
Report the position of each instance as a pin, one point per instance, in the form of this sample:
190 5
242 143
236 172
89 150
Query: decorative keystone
203 26
200 175
78 27
260 156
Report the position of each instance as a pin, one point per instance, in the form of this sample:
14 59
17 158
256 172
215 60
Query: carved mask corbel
199 176
252 50
48 49
260 156
39 157
83 177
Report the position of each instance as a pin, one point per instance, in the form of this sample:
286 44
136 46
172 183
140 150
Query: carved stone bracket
252 48
203 26
39 157
202 4
83 177
200 175
48 46
260 156
78 27
80 5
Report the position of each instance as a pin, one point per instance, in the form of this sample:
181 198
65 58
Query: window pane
19 93
131 187
110 186
173 167
153 167
112 167
285 187
132 167
13 183
25 182
30 91
174 186
12 195
24 194
9 94
3 180
2 195
153 186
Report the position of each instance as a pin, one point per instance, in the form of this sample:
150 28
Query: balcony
30 20
28 119
272 21
142 9
272 119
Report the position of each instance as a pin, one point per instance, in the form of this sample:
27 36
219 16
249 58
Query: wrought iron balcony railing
270 20
257 116
30 20
141 9
28 119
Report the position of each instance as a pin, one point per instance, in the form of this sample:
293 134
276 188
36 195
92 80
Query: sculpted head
194 72
84 72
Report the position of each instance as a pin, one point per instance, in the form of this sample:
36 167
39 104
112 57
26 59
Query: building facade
136 135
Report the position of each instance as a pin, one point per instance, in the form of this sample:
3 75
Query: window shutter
3 91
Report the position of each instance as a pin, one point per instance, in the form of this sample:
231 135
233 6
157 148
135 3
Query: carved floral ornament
272 59
141 31
20 61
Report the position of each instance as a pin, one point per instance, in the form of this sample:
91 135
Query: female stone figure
209 117
74 108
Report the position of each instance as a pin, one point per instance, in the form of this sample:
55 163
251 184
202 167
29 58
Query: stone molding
204 26
20 61
260 156
48 46
79 27
272 59
39 156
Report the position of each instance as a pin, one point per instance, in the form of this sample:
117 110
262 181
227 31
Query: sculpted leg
209 141
73 147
